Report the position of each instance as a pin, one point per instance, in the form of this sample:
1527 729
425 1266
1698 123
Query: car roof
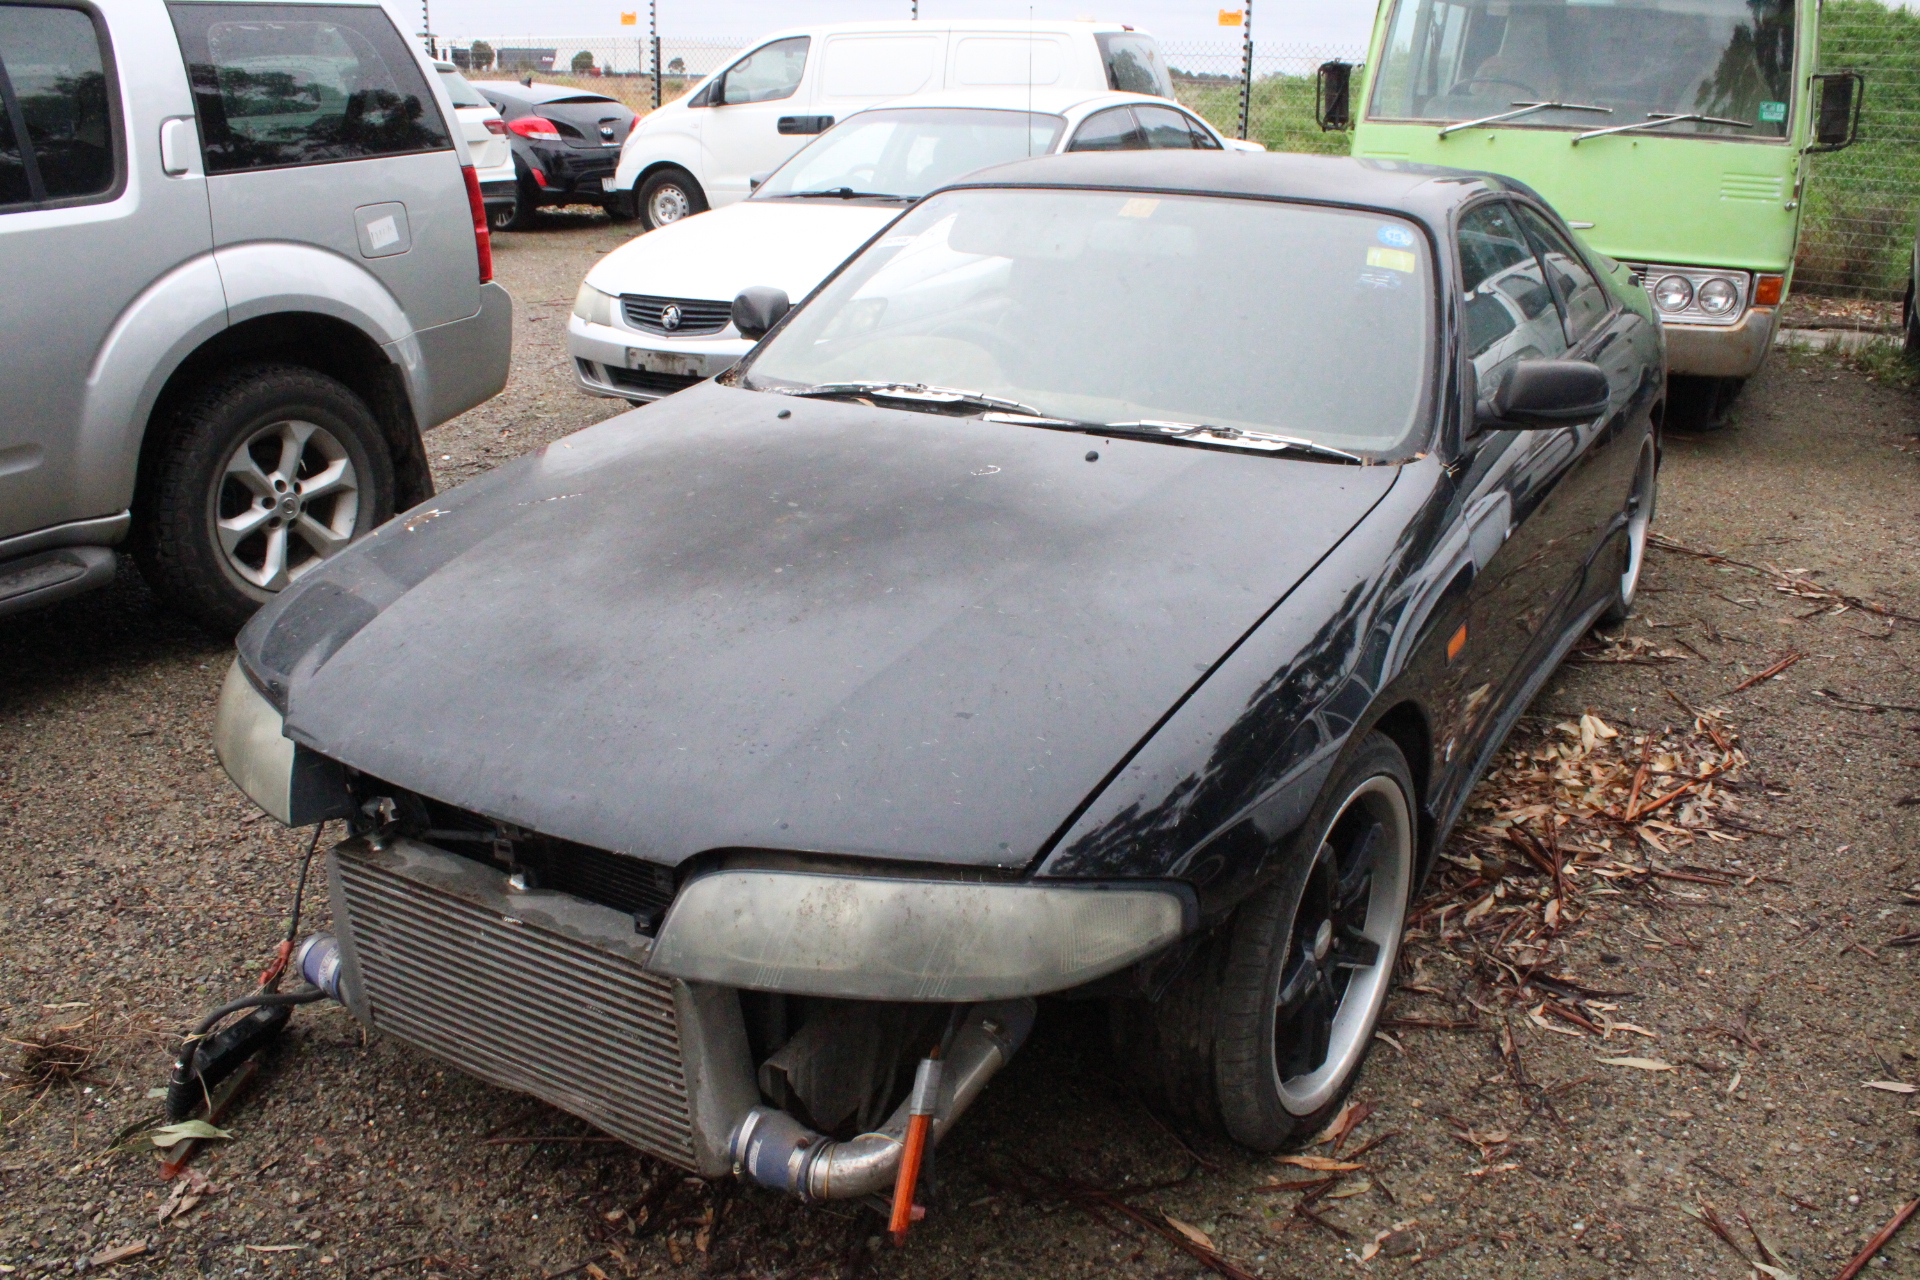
1427 193
1046 98
536 92
1007 26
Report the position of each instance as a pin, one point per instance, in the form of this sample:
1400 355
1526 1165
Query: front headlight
873 938
1673 293
593 306
291 783
1718 296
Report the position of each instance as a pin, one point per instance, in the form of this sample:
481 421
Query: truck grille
518 1005
697 315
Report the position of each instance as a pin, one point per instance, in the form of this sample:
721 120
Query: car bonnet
860 631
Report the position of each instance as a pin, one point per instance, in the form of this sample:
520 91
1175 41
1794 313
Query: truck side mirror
1536 394
757 309
1836 120
1332 94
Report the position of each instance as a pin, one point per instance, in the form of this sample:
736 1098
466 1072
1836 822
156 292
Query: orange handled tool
926 1098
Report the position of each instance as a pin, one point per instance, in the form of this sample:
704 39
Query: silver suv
246 265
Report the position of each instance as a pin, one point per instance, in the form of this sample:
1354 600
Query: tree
583 63
482 55
678 66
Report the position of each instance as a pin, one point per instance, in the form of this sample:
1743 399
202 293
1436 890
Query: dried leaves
56 1056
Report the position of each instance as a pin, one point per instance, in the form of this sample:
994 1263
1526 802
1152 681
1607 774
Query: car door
740 129
319 128
88 222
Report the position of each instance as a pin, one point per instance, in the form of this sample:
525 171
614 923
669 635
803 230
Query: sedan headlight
1672 293
873 938
593 306
291 783
1718 296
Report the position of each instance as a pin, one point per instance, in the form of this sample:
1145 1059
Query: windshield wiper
841 193
1657 118
915 391
1524 108
1197 432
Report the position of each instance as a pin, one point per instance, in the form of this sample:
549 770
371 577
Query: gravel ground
137 889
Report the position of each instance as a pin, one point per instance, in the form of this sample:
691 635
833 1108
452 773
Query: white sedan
655 316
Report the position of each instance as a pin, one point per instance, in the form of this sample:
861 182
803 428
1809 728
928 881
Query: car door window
1164 128
1580 296
1110 130
59 131
768 74
1509 309
280 85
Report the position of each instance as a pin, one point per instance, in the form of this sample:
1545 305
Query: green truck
1673 134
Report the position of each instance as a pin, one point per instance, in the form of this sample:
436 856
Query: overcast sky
1297 22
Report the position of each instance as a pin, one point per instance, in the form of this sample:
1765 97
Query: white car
486 135
655 315
697 152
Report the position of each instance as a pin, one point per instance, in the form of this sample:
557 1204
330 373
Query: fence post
1246 70
653 38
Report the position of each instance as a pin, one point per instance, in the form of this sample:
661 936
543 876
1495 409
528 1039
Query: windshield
462 93
909 152
1105 307
1729 59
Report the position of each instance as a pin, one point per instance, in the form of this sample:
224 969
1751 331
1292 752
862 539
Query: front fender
164 325
673 144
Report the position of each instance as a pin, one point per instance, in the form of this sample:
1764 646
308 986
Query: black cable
300 888
258 999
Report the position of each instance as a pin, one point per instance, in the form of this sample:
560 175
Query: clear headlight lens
1718 296
593 306
1673 293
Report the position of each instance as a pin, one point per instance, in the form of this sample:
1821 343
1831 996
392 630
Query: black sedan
566 145
1110 582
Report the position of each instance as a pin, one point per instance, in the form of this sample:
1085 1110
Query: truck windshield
1640 59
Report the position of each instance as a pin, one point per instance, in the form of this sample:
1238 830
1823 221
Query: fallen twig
1879 1242
1769 673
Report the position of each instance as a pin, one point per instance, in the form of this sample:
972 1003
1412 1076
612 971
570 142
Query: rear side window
459 92
768 74
59 122
1134 64
1168 130
1581 297
1110 130
282 85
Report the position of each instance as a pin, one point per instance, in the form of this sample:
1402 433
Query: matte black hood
862 631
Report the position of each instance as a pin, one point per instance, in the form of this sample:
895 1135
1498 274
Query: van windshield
1454 60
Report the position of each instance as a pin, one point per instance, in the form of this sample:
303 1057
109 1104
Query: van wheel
668 195
1263 1032
266 471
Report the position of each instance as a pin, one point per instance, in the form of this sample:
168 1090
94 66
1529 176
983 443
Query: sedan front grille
514 1001
696 315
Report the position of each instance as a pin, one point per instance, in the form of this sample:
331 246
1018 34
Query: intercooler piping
775 1150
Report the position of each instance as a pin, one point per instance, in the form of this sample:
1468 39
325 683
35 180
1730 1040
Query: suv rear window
59 134
281 85
1134 64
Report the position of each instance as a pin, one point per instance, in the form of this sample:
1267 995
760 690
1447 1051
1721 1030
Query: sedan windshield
1188 318
1631 62
909 152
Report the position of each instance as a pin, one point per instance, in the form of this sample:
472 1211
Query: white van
703 150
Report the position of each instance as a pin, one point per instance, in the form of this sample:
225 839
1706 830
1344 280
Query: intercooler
540 992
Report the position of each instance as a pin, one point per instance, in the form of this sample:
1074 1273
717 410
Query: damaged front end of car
786 1019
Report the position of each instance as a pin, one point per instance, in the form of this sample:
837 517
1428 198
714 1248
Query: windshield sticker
1139 207
1773 112
1393 260
1394 236
1379 280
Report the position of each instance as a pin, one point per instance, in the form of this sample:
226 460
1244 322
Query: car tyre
666 196
265 471
520 214
1264 1030
1642 500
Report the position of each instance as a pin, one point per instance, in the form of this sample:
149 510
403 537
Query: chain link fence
1207 77
619 66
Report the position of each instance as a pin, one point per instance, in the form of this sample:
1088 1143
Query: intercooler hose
775 1150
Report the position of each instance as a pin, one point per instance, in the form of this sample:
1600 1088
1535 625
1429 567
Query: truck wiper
1657 118
1524 108
915 392
1196 432
840 193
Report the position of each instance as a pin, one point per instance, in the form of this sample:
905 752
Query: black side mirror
755 179
1545 393
1836 120
1332 95
758 309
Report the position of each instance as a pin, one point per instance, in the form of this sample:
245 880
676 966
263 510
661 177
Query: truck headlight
291 783
593 306
1717 296
876 938
1673 293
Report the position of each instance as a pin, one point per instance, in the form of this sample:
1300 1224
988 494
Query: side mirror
1836 118
1536 394
755 179
759 308
1332 95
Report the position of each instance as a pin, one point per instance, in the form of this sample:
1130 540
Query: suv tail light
496 125
535 127
482 238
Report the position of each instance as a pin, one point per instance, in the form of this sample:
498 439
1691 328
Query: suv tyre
668 195
1265 1029
266 470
